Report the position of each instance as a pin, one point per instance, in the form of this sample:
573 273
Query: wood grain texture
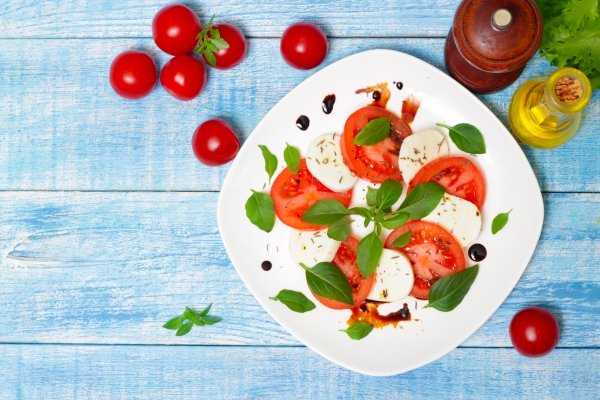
63 128
131 18
151 372
113 267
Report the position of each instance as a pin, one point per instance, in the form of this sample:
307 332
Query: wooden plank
112 267
63 128
162 372
130 18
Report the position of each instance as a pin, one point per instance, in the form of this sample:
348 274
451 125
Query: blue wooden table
108 223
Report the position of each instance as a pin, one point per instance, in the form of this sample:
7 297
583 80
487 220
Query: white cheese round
420 148
325 161
312 247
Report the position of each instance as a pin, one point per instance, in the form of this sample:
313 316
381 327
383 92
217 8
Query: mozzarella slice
394 277
325 161
459 217
312 247
419 149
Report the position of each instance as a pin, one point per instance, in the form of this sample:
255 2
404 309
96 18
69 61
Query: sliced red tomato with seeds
377 163
432 251
458 175
293 194
345 259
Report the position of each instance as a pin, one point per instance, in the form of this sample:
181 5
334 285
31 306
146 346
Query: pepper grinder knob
501 19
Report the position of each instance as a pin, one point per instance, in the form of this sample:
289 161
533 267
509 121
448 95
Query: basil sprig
375 131
420 202
295 301
260 211
292 157
466 137
500 222
447 293
358 330
327 280
183 323
270 160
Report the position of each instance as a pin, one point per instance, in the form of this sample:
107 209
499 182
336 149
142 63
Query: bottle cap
497 35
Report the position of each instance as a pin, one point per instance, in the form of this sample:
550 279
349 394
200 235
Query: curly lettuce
572 35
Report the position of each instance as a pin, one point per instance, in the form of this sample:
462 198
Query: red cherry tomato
345 259
303 45
235 53
534 332
175 28
183 77
133 74
214 142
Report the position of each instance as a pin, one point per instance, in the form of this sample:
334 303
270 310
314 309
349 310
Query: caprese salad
379 213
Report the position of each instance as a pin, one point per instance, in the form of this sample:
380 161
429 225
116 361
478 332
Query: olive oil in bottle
546 112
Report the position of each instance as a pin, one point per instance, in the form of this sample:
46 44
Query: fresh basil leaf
208 320
295 301
325 212
173 323
189 313
270 160
327 280
422 200
260 211
368 254
184 328
291 155
183 323
388 194
340 230
374 132
447 293
402 240
362 212
358 330
500 222
466 137
371 196
396 221
205 311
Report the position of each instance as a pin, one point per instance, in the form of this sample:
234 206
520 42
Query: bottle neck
560 99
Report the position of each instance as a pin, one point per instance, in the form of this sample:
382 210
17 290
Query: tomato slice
294 194
458 175
345 258
433 253
377 163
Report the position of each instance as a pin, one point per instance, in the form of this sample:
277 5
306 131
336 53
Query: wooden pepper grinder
491 41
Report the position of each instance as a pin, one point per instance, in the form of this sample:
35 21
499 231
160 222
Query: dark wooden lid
497 35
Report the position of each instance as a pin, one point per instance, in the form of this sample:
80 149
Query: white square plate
511 184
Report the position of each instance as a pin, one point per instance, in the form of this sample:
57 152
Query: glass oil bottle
546 112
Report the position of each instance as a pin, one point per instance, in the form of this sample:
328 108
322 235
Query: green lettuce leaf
572 35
